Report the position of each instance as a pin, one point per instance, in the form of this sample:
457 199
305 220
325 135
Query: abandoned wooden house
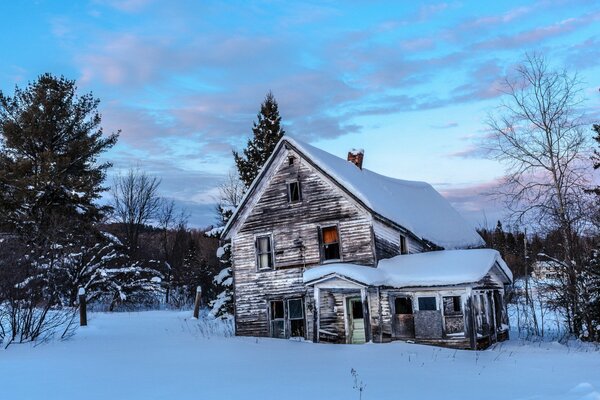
328 251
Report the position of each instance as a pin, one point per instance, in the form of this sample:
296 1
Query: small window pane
295 309
403 305
278 329
330 243
330 235
264 244
427 304
276 309
297 328
294 191
452 305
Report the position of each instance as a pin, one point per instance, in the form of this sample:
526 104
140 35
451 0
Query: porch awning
436 268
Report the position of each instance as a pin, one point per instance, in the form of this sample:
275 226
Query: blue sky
411 83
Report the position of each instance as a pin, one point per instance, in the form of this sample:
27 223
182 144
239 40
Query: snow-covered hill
167 355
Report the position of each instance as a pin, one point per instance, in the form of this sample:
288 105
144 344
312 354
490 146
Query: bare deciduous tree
136 203
537 132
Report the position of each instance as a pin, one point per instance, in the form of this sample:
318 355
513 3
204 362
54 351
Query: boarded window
277 319
264 253
294 192
330 243
403 305
296 317
403 246
427 304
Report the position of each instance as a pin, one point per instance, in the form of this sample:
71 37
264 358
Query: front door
356 322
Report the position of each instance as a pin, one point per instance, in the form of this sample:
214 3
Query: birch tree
537 133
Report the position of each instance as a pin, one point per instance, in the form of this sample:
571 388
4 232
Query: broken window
287 318
277 319
330 243
427 304
403 246
291 160
452 305
294 192
296 317
403 305
264 253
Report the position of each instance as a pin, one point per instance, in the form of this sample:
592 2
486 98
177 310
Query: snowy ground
166 355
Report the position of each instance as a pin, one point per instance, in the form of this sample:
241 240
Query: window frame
258 253
289 191
322 244
286 319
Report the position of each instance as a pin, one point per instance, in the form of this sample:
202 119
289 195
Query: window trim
322 244
289 191
257 254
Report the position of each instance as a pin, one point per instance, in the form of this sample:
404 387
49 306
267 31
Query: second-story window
330 243
294 192
264 252
403 246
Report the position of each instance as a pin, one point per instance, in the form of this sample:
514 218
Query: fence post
198 302
82 307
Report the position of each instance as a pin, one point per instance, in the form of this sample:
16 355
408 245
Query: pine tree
267 132
50 176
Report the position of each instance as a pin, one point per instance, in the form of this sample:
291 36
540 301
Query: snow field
168 355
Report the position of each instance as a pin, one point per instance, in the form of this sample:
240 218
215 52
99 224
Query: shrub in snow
223 304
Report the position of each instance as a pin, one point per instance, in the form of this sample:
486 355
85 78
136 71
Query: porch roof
436 268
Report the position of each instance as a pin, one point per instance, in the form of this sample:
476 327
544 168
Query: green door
356 322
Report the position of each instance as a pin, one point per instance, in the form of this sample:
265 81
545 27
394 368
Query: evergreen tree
267 132
50 176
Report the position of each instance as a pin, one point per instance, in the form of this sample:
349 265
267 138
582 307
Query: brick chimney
356 156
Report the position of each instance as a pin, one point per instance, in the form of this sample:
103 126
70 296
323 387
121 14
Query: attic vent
356 156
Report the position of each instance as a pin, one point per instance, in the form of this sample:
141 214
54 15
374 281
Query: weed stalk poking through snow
358 383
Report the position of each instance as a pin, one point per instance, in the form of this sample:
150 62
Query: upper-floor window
403 245
330 243
294 191
264 252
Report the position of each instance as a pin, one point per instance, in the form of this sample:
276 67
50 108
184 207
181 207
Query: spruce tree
266 133
50 176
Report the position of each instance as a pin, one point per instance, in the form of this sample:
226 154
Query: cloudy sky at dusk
410 82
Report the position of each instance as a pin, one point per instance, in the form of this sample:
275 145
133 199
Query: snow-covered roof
435 268
416 206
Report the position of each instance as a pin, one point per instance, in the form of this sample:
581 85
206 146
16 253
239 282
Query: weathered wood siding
294 229
387 241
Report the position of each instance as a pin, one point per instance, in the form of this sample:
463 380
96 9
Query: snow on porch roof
435 268
416 206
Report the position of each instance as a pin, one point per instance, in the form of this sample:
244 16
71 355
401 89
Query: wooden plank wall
387 241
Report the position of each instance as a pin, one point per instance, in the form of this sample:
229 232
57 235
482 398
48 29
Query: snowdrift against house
416 206
436 268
